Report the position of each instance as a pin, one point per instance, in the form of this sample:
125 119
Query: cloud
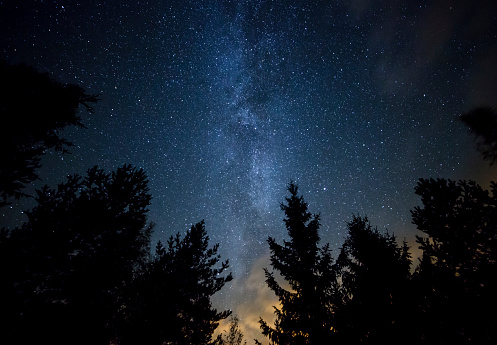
484 80
409 48
255 300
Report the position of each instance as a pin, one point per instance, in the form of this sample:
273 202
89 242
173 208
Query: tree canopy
232 337
171 302
372 302
455 280
34 109
482 122
64 270
80 269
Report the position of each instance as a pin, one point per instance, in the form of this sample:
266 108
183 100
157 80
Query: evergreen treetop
305 314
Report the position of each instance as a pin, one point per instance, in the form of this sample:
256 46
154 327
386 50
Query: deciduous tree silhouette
234 336
63 272
305 313
456 276
34 109
373 305
171 303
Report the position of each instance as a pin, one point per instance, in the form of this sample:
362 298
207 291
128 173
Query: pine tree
456 277
171 301
305 313
34 109
65 269
374 294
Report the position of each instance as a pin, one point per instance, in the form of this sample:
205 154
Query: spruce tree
34 110
64 271
305 313
171 300
374 272
455 280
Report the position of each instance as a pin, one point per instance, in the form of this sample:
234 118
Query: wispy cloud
256 300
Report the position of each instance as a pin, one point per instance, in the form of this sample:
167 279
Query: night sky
224 102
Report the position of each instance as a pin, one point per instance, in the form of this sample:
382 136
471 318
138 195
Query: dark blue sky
224 102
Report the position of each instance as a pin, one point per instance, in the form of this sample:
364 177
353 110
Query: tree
456 276
234 336
34 109
171 300
374 273
305 313
482 122
67 266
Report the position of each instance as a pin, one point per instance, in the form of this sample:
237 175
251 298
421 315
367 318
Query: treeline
80 270
368 295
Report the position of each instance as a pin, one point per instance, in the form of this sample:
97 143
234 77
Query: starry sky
224 102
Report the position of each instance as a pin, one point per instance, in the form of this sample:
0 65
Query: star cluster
224 102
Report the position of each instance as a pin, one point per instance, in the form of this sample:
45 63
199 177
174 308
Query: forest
81 269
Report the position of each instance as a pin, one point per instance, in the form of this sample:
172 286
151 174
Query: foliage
171 300
456 276
374 273
482 122
34 109
305 313
65 269
80 271
234 336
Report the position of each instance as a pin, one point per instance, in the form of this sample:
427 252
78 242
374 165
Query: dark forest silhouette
169 301
34 109
482 122
80 269
234 336
65 270
305 314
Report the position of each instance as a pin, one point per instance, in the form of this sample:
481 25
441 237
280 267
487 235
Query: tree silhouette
234 336
305 313
171 301
482 122
374 273
65 269
456 276
34 109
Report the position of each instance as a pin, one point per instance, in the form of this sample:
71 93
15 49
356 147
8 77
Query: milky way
224 102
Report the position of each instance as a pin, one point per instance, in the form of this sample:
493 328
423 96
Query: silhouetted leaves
66 268
171 301
234 336
456 276
34 109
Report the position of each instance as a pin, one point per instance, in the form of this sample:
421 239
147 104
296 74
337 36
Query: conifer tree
34 109
374 272
172 300
305 313
455 280
64 270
